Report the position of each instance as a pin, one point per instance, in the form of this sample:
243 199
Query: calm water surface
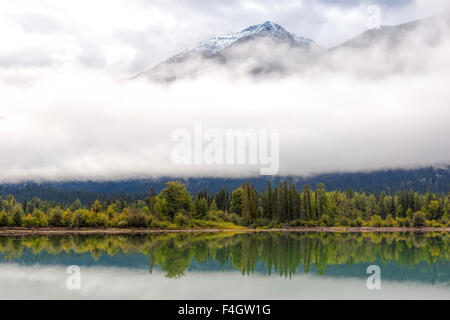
227 266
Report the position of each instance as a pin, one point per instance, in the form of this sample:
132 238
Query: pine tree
307 206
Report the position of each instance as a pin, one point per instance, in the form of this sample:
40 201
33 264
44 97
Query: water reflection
403 256
101 282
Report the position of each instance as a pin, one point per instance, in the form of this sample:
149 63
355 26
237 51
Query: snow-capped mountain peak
268 27
215 45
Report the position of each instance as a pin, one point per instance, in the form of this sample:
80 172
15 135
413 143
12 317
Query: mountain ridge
257 46
218 49
270 29
420 180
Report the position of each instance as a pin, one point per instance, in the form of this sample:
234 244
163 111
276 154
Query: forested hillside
389 181
275 206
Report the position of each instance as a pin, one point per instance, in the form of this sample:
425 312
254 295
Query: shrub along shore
275 207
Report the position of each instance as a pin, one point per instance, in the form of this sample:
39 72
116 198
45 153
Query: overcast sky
128 36
64 115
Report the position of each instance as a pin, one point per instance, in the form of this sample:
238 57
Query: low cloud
346 111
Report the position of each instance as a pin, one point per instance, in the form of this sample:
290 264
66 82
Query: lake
225 265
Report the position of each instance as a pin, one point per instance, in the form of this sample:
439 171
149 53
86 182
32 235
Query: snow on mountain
270 29
285 53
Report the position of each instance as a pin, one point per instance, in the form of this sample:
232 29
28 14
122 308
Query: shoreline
132 231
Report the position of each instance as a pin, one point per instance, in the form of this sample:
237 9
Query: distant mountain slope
268 48
391 35
428 31
216 45
420 180
404 48
257 45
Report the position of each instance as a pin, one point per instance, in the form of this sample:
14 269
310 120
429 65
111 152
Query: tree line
279 205
420 180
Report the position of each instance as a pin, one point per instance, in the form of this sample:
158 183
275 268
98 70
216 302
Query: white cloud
128 36
66 120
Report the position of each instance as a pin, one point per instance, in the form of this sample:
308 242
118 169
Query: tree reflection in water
268 251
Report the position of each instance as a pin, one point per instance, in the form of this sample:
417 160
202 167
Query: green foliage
358 222
236 201
102 220
181 220
76 205
4 220
178 199
213 206
29 221
434 209
137 219
56 217
17 213
275 206
67 219
80 218
40 218
201 206
404 222
419 219
161 207
97 206
376 221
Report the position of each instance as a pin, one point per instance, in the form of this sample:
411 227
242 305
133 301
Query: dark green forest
275 206
421 180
